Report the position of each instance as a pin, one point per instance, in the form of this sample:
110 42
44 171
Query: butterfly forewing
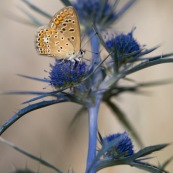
66 22
61 38
53 43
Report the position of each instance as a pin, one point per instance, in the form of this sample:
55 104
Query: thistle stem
95 46
93 110
93 127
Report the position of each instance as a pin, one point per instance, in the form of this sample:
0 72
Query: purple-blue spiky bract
124 44
121 145
65 73
94 10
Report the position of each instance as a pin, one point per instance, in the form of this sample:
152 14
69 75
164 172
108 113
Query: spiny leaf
37 9
160 56
47 94
121 12
26 110
45 163
100 38
147 167
162 167
123 119
33 19
34 78
66 2
147 150
23 92
148 64
77 116
147 51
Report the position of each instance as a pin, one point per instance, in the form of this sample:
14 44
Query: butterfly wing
53 43
67 23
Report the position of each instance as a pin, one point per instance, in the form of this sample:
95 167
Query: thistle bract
95 11
66 73
124 44
120 145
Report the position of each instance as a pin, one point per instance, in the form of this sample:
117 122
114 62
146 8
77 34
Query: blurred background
46 132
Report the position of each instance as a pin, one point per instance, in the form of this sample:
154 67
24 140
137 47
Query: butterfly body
61 38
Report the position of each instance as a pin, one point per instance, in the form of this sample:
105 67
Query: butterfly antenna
92 52
89 39
83 37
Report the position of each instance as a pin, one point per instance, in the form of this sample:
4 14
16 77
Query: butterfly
61 37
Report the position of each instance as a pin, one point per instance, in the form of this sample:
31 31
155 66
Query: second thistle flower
119 146
66 73
124 44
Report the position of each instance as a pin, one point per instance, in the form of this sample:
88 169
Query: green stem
93 127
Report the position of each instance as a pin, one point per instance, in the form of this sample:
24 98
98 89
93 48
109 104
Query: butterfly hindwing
53 43
66 22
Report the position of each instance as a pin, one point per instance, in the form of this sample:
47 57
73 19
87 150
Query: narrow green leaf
37 9
123 119
100 38
159 56
54 93
147 51
136 88
20 19
66 2
35 21
102 6
34 78
121 12
101 164
23 93
147 150
26 110
148 64
43 162
77 116
147 167
23 171
162 167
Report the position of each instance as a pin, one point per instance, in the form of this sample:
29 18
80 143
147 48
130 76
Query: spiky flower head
119 145
66 73
99 12
124 44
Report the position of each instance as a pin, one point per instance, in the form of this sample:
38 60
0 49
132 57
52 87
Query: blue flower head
66 73
124 44
120 145
95 11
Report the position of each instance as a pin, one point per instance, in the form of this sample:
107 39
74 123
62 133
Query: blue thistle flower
94 11
124 44
66 73
120 145
103 13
